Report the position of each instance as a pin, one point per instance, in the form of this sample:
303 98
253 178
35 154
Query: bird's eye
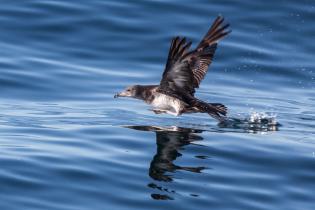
128 90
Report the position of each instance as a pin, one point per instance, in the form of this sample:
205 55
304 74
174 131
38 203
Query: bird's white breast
165 102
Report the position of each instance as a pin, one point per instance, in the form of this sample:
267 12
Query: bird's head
130 91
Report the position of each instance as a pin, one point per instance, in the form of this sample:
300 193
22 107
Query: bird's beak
121 94
116 95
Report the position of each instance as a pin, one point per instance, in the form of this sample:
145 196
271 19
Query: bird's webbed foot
158 111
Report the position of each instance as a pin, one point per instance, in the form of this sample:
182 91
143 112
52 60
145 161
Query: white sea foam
262 118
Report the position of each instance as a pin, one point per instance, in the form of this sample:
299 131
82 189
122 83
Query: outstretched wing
184 70
202 56
177 74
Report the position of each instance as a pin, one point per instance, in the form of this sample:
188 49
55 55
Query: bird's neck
146 93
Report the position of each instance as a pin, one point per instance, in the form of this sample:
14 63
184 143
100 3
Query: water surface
65 143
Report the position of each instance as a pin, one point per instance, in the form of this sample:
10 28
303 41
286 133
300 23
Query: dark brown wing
184 70
177 74
202 56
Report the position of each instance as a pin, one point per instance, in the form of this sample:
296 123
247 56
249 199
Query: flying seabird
183 73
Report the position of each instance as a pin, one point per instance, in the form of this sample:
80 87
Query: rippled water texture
66 143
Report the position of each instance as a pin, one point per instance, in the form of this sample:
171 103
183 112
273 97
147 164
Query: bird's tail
220 107
216 110
216 32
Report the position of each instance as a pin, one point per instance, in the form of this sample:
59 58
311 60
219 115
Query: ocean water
66 143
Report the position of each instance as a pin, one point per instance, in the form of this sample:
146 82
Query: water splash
254 122
262 118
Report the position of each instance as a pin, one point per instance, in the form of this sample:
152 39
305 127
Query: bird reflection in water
169 141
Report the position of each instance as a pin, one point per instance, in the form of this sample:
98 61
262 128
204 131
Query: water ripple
67 144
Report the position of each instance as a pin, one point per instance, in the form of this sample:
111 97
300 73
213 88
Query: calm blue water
65 143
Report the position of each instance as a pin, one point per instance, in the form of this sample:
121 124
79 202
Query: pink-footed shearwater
183 73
